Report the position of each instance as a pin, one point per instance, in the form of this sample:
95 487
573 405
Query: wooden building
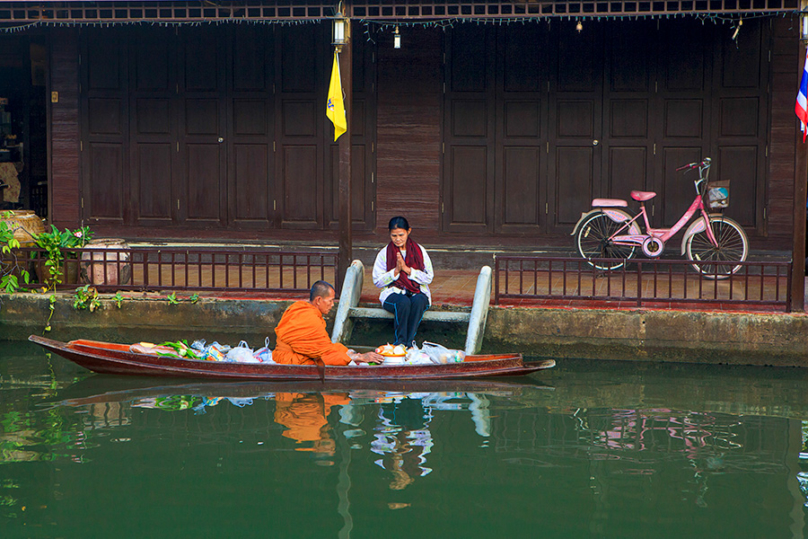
495 123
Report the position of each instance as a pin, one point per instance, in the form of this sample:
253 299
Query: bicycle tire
592 242
733 247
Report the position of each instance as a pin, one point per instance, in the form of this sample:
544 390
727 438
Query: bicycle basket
718 195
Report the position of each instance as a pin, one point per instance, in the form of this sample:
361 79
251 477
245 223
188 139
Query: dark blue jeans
408 311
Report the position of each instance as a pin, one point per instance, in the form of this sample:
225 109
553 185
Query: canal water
589 449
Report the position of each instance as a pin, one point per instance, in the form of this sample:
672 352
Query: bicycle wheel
733 247
593 242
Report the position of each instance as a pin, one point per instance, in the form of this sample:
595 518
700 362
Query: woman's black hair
398 222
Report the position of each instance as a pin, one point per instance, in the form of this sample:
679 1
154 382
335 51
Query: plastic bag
442 355
241 354
416 357
264 355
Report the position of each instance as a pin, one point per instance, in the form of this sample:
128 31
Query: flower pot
108 264
25 225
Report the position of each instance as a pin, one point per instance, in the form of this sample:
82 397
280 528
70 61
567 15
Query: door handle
594 142
221 139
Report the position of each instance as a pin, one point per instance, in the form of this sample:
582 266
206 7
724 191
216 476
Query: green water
586 450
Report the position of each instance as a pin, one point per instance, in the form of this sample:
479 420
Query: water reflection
600 451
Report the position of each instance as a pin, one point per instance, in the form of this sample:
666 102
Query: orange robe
306 418
302 338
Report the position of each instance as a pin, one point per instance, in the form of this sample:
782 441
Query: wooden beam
345 172
800 179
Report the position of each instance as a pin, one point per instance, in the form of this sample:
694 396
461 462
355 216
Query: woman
403 271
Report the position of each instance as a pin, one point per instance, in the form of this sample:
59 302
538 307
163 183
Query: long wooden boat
112 358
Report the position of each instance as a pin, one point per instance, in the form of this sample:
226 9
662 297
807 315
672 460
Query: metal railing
155 269
645 282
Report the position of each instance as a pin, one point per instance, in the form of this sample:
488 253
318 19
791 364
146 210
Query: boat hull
111 358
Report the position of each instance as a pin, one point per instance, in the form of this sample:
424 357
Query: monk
302 338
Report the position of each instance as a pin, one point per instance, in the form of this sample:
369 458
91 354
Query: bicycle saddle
642 196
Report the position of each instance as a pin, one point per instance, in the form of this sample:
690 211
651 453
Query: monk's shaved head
320 289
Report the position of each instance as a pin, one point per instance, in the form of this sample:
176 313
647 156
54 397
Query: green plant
118 299
87 298
51 309
9 281
194 298
172 299
54 242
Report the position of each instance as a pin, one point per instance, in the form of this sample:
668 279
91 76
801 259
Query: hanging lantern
340 22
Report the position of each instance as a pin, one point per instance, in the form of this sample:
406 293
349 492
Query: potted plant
58 265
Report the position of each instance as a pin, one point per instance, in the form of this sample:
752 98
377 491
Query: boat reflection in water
403 411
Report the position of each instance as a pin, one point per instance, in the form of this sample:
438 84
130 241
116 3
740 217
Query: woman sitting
403 271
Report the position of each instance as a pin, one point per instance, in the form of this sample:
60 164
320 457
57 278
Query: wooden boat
112 358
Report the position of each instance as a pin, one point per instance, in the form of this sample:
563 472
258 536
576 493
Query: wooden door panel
576 119
739 117
522 119
468 69
202 117
203 173
468 184
628 168
628 118
739 165
105 116
201 73
300 166
251 182
106 182
299 118
153 178
469 138
104 64
683 118
469 118
677 190
574 169
153 116
153 65
521 195
298 65
250 67
630 55
250 117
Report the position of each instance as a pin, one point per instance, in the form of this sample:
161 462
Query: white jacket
383 278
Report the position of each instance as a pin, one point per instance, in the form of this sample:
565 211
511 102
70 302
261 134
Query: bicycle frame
663 234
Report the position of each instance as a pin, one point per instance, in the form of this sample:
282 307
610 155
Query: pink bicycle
608 236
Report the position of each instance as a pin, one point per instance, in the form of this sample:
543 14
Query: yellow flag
335 110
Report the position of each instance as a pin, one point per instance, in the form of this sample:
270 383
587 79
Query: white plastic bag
241 354
441 355
416 357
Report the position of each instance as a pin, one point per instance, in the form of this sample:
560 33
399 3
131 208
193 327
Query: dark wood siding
409 120
64 129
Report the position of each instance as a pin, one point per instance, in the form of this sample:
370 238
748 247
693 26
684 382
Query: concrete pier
736 338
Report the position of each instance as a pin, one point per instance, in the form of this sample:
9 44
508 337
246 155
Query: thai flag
802 100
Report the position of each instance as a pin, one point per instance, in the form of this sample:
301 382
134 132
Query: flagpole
800 181
345 172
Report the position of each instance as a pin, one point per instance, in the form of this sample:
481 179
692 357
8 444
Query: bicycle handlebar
704 163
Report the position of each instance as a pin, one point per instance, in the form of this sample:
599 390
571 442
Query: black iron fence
152 268
646 282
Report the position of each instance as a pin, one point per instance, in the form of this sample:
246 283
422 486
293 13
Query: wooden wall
408 156
65 201
782 151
